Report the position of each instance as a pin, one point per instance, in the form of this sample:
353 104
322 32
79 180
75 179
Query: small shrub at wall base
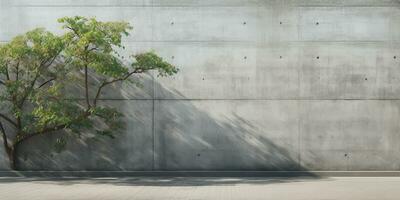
38 67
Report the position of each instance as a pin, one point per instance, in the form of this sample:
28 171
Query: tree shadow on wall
204 135
186 135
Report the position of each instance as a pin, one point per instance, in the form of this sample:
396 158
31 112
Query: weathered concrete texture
350 135
289 70
263 85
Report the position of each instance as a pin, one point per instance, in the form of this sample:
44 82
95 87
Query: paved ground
201 188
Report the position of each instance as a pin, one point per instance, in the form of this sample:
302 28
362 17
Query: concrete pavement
351 188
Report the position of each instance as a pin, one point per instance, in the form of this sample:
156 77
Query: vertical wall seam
153 85
299 134
299 109
153 127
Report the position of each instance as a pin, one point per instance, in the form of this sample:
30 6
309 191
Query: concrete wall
264 85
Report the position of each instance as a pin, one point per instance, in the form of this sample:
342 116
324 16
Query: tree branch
113 81
30 88
52 129
48 81
87 87
8 120
73 30
93 49
5 142
46 130
17 72
7 74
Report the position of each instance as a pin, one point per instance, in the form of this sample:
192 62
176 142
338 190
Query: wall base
199 173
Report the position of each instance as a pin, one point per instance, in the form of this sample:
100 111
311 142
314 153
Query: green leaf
150 61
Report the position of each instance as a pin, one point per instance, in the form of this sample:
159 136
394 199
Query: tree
36 69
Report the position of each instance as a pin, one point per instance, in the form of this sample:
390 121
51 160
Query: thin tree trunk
12 157
10 150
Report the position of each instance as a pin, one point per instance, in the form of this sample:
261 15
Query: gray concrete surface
264 85
335 188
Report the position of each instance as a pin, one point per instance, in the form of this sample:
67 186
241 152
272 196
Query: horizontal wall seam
210 6
239 99
258 43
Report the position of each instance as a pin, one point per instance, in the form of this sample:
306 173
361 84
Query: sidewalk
351 188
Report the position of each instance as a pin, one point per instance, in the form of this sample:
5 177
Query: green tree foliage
38 66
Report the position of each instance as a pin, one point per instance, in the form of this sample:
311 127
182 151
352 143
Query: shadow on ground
161 182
